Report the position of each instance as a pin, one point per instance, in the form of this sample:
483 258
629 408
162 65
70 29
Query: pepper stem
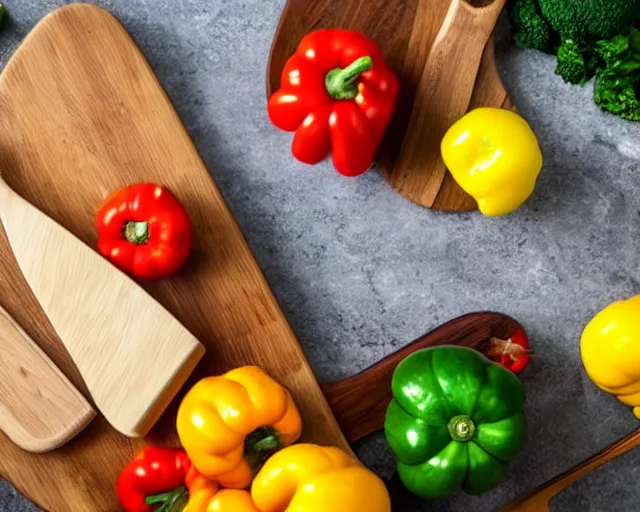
499 347
261 444
136 232
461 428
169 501
340 82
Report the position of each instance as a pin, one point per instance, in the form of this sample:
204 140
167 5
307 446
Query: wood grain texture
132 354
360 402
443 96
81 115
40 410
538 499
406 32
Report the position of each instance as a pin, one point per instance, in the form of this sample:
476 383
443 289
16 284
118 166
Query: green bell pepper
455 421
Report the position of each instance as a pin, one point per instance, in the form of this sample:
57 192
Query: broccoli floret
587 21
576 65
618 95
588 37
571 65
544 24
618 82
530 28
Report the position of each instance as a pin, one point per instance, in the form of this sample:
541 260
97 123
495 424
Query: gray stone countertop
359 271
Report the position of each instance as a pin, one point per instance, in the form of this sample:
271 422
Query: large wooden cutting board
405 30
82 114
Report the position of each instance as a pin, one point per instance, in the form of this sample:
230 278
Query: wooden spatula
538 499
40 409
132 354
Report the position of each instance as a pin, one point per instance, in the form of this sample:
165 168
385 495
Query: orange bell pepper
311 478
206 496
230 424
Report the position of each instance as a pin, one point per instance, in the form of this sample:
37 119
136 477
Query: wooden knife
40 409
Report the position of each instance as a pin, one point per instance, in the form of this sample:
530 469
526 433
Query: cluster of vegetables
589 38
238 432
338 95
455 421
457 417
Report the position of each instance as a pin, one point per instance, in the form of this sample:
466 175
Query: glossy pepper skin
493 154
206 496
144 231
337 94
311 478
154 470
230 424
455 421
610 350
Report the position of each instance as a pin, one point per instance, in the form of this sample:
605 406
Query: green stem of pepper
136 232
168 500
461 428
261 444
340 83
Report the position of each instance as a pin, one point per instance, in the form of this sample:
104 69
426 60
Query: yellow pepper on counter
311 478
494 156
610 349
230 424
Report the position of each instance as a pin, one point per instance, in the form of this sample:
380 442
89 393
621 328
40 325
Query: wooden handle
360 402
40 409
538 499
442 97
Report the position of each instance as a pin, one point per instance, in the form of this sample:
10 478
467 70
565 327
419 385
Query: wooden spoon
132 354
538 499
40 409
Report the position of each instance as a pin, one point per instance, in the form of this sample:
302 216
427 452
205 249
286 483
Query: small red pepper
513 353
154 470
338 95
145 231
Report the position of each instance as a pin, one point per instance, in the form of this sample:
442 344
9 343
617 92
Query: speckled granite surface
359 271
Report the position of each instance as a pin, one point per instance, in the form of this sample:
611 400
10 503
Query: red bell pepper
514 353
145 231
338 95
154 470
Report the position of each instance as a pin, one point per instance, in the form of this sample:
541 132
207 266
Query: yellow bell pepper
206 496
230 424
610 349
494 156
311 478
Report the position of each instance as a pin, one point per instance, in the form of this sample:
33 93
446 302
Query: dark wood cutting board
406 30
360 402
